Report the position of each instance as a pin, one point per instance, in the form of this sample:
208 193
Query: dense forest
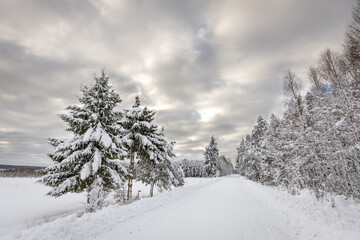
315 144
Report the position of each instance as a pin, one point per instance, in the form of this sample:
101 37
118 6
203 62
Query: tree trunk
152 189
350 190
88 196
349 111
131 175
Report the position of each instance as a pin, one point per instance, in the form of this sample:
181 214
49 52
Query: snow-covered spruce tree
225 165
162 172
239 160
254 155
211 167
259 148
270 169
89 160
146 144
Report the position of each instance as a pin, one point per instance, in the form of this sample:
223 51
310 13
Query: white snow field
219 208
24 204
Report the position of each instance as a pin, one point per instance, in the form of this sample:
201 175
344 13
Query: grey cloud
183 81
179 123
49 48
20 148
184 78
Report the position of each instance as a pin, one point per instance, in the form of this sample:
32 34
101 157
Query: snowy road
226 209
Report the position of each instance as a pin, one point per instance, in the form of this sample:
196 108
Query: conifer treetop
143 136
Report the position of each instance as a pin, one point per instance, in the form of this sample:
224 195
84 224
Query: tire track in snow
225 209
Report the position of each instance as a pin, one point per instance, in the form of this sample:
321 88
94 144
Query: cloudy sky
206 67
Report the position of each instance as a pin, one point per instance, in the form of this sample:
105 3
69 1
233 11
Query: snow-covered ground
223 208
24 204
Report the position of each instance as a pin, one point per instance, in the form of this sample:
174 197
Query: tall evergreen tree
164 172
271 158
144 142
225 165
89 160
254 156
239 160
211 167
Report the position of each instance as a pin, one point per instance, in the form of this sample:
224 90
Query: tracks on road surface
225 209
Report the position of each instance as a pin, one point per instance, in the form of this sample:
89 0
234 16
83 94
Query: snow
235 208
88 134
97 161
98 135
338 124
85 171
68 183
106 140
206 208
24 203
303 217
114 175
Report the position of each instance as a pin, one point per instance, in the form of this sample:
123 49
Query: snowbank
303 217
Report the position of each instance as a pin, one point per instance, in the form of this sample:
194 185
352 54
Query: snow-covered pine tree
258 140
133 123
185 166
144 142
239 160
254 155
226 167
269 169
89 160
162 172
211 167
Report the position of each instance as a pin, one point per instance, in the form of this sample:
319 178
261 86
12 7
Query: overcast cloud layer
206 67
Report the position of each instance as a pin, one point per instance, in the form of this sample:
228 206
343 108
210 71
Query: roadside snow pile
303 217
26 202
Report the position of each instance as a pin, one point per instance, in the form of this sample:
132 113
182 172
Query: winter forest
315 144
111 170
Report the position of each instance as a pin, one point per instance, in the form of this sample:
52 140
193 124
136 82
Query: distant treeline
20 171
195 168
